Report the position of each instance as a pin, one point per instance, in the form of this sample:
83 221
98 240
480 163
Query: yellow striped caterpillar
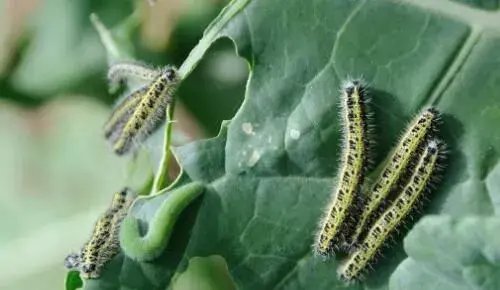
133 120
103 244
121 113
417 132
423 173
335 224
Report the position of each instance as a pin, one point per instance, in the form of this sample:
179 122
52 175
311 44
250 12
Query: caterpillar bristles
120 200
120 72
72 261
122 112
103 244
422 176
336 222
369 124
128 132
391 176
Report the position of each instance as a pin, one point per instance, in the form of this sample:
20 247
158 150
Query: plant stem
212 32
161 178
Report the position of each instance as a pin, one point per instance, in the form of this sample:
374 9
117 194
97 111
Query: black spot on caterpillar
121 113
406 151
103 244
136 117
336 221
419 181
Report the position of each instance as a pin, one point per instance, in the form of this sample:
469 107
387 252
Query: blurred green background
56 170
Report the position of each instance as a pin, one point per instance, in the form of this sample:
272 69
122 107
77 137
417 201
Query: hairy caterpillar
94 261
419 181
118 73
415 135
122 112
103 243
148 246
335 224
133 121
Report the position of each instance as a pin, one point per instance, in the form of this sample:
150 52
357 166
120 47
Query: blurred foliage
58 52
57 172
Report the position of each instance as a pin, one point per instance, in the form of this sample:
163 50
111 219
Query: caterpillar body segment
418 183
110 247
120 72
147 113
103 244
417 133
121 200
335 224
122 112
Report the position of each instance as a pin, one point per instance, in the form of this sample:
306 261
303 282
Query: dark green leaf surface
63 49
484 4
269 174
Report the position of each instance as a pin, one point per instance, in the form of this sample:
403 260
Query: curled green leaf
149 246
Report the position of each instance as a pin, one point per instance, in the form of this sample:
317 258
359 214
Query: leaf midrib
475 17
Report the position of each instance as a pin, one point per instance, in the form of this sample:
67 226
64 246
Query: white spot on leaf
294 134
247 128
254 158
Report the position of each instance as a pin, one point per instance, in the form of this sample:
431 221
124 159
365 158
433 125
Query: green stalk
161 178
